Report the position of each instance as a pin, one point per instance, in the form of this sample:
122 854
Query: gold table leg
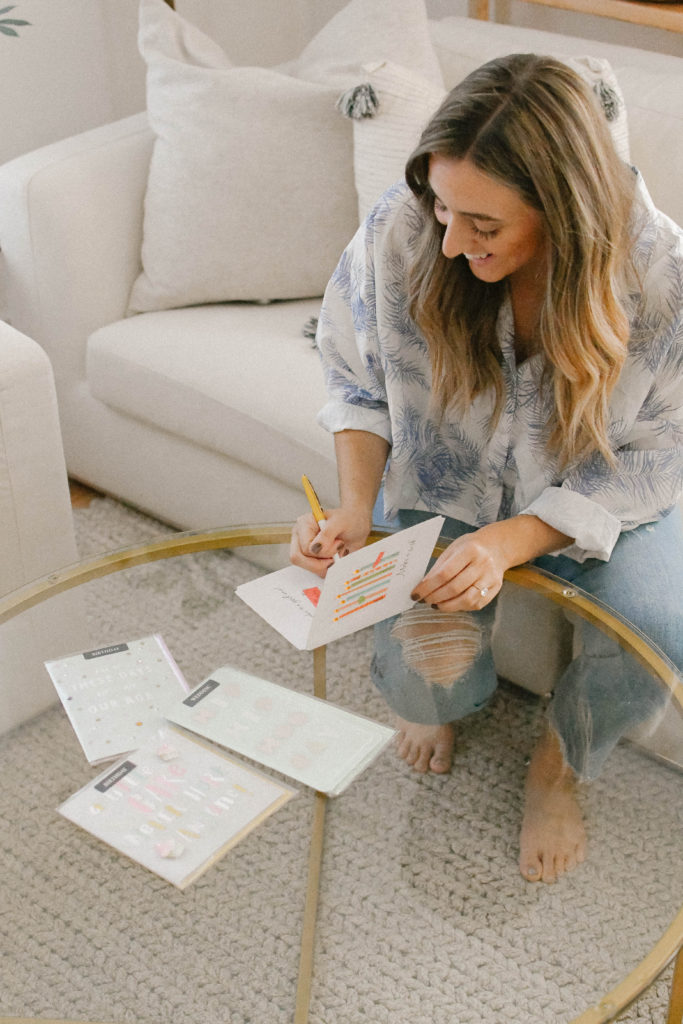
315 858
676 998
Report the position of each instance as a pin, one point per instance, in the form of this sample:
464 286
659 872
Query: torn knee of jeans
439 646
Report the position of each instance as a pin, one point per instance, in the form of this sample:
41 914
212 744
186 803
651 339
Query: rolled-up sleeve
594 529
348 342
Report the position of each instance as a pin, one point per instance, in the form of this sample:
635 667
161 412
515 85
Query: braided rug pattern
423 916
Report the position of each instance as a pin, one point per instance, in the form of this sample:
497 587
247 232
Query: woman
507 332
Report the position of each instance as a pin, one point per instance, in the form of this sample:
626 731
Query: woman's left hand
465 577
469 573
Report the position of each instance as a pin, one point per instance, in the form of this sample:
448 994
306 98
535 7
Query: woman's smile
477 259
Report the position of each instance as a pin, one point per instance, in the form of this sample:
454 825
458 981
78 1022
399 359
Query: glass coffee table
353 950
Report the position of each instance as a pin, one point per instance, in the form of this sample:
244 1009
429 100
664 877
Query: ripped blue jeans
602 694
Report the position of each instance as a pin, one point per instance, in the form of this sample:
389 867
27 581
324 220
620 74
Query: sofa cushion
655 110
251 192
240 379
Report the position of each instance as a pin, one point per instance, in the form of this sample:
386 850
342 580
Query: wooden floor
81 496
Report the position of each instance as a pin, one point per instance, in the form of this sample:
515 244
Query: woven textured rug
423 916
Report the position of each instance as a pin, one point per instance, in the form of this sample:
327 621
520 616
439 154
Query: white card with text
114 694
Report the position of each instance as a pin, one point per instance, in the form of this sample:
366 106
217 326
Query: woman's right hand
314 545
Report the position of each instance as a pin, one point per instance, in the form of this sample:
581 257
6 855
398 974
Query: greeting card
176 805
363 588
114 695
308 739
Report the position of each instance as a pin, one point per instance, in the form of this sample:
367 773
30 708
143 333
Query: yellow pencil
316 507
314 502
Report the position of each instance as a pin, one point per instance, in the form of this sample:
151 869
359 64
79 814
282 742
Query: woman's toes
426 747
441 760
532 870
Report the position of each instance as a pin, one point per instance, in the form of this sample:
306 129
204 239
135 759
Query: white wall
54 78
77 65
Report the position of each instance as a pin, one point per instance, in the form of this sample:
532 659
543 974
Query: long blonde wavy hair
531 123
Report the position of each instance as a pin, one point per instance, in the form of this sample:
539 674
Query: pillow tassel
309 329
609 100
359 102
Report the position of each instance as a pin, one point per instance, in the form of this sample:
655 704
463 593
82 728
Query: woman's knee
439 646
433 666
642 581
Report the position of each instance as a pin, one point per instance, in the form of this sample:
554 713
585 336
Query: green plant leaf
13 21
8 31
4 10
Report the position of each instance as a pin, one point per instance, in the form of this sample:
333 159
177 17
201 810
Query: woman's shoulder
395 218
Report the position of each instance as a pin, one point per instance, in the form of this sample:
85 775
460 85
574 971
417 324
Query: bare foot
426 747
553 839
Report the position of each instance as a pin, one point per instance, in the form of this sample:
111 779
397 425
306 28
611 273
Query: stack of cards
174 802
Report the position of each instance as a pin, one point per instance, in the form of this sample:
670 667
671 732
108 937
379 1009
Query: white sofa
36 528
205 416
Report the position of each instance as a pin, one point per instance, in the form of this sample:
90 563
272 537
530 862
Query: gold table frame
608 1009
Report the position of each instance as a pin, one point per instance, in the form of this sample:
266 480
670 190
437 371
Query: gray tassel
309 329
608 99
359 102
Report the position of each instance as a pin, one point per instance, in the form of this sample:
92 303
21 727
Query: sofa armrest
36 529
70 235
36 526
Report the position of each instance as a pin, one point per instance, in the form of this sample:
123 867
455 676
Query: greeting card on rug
308 739
114 694
363 588
176 805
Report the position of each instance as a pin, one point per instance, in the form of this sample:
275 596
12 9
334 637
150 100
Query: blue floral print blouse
378 379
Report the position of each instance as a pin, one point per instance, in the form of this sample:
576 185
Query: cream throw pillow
251 190
599 75
366 31
383 142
